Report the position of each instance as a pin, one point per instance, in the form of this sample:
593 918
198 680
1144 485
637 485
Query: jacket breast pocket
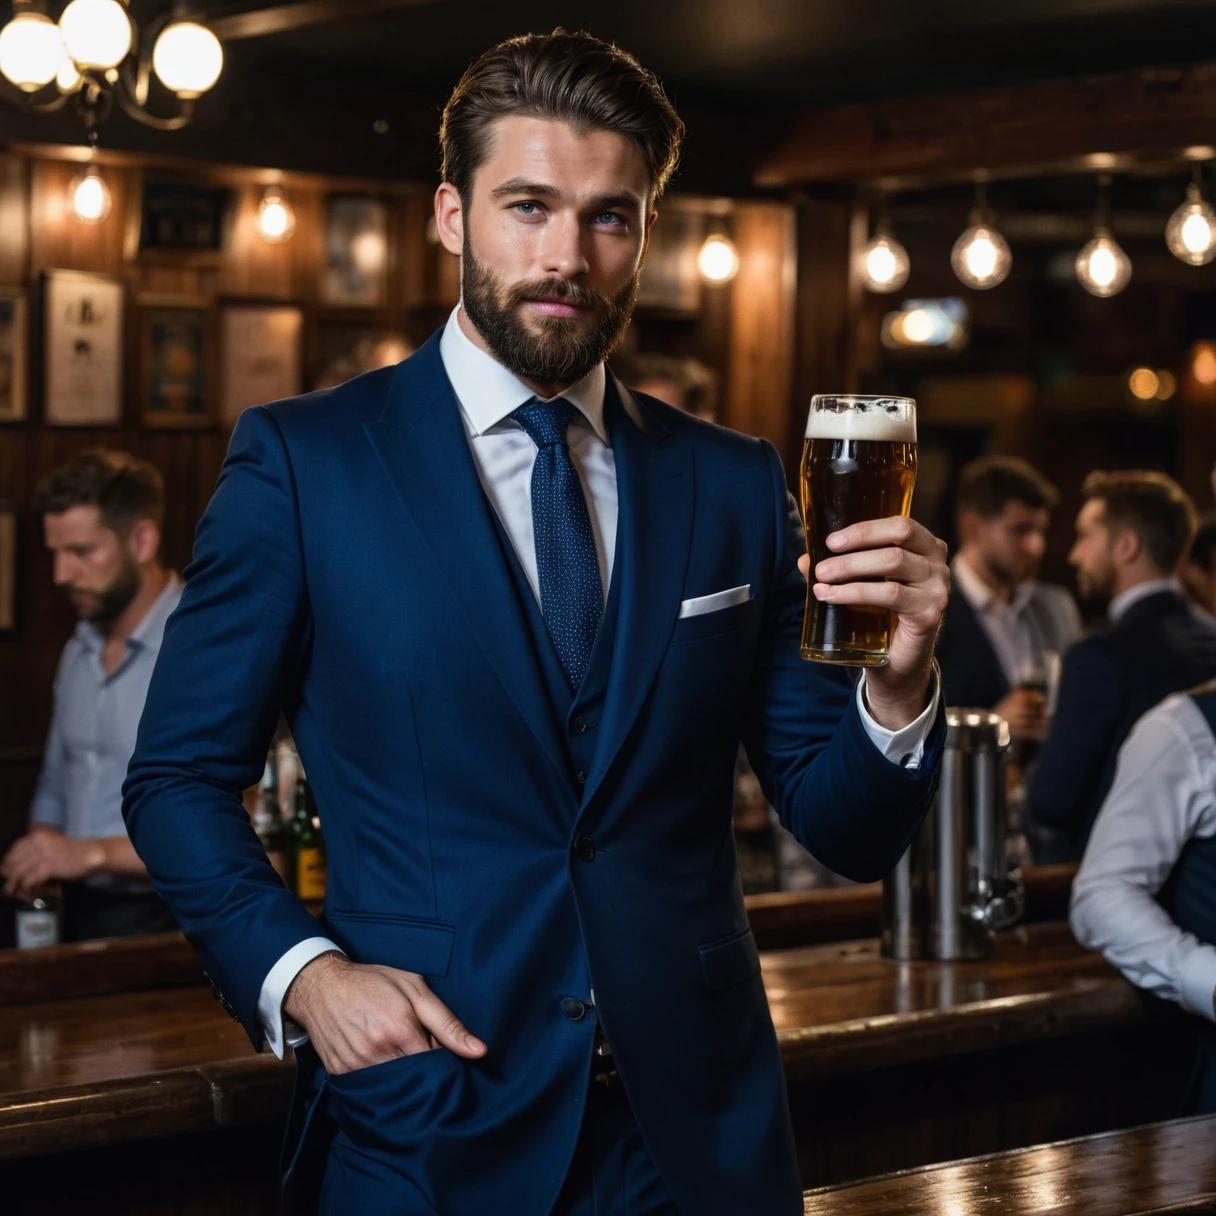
710 624
730 960
409 943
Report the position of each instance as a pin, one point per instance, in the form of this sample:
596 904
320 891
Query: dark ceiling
314 97
808 52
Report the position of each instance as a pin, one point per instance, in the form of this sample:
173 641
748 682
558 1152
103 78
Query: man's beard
559 350
1095 590
110 602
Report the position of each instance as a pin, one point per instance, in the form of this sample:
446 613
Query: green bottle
305 844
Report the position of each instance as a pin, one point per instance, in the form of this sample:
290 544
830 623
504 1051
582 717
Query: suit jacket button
573 1008
582 777
584 848
579 725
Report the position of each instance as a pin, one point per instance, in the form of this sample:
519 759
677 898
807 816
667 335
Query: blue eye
528 208
610 218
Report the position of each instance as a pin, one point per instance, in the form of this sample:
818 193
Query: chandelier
95 56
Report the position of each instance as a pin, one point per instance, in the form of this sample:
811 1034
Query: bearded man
102 514
519 620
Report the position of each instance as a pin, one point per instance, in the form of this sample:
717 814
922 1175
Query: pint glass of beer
858 463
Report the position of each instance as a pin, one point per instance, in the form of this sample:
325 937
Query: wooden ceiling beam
1069 125
282 18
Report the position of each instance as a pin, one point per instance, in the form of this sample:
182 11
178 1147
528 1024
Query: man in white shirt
1145 895
1133 530
102 514
1004 629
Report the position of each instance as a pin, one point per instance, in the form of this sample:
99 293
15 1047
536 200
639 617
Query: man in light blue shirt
102 514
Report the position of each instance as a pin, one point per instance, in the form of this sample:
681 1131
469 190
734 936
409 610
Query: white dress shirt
1010 627
1164 794
504 455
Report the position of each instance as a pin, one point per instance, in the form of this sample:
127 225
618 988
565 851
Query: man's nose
563 251
63 570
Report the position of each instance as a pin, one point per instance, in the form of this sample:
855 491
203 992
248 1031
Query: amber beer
858 463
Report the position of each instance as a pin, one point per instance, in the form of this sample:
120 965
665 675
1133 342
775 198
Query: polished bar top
99 1068
1164 1167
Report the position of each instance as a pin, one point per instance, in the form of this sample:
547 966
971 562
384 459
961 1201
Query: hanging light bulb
884 261
89 198
1191 231
187 58
981 256
718 259
276 219
30 50
97 33
1103 269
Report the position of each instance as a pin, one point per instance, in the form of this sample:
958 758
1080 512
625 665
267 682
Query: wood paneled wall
36 234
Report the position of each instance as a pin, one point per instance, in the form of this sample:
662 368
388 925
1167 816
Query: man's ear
144 541
449 218
1126 546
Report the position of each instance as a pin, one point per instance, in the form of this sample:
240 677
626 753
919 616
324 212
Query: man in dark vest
1146 891
1132 532
519 620
1003 627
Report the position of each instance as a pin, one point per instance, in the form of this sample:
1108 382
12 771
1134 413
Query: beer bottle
305 844
267 821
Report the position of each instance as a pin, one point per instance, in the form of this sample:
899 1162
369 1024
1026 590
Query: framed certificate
260 356
175 362
14 343
81 348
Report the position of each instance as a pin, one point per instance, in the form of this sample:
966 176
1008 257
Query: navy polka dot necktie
568 568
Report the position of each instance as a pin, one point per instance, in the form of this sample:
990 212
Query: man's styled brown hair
124 488
986 486
1155 507
571 78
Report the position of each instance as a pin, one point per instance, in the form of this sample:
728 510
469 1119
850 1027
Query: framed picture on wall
14 342
260 356
175 362
355 274
8 567
350 350
82 348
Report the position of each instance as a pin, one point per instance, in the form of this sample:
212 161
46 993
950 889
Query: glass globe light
718 259
1191 231
885 263
188 58
1103 269
97 33
30 51
276 219
89 198
68 78
981 256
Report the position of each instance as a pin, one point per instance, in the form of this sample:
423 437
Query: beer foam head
879 419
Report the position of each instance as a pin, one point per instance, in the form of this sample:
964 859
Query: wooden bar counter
890 1065
1165 1167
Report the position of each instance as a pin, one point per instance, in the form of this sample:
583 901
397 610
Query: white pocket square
714 603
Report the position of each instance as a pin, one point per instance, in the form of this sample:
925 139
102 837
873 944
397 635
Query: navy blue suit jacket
1109 681
348 570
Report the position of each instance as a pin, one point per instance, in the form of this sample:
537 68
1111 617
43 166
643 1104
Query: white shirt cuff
282 1032
905 747
1197 983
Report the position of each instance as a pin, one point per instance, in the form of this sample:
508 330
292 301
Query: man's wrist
897 704
295 999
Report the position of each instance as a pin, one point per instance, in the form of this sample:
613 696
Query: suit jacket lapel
421 442
654 473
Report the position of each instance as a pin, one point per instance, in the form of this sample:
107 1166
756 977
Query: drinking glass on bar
858 464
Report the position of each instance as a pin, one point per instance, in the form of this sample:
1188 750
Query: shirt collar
1141 591
151 629
980 596
488 392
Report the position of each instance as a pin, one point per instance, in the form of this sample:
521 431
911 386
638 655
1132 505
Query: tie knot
546 421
